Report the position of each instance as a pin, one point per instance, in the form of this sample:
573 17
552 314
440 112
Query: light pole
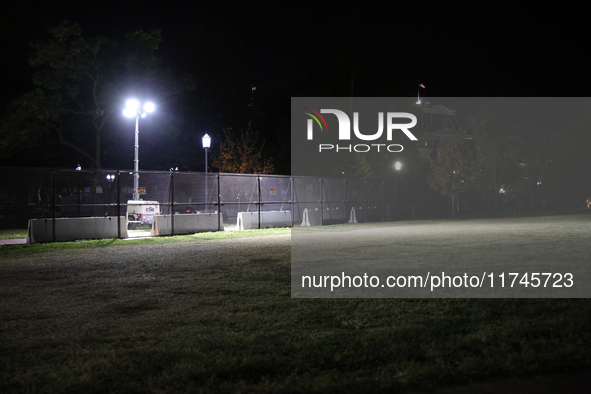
397 167
133 109
206 142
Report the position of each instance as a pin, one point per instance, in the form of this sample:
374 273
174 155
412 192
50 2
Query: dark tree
498 154
79 82
241 154
452 170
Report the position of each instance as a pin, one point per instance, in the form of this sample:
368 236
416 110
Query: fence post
53 208
346 198
119 204
321 202
291 200
172 203
219 203
366 202
384 200
259 187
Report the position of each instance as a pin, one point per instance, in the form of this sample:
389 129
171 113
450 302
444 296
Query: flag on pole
419 92
254 88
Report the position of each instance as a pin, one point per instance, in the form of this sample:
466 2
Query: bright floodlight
132 110
149 107
130 113
206 140
397 166
133 104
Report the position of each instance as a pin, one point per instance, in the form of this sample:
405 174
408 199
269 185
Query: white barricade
269 219
305 220
311 218
353 218
187 223
70 229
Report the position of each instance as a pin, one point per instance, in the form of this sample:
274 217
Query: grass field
559 245
13 233
213 313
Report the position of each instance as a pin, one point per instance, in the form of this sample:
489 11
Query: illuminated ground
540 244
213 313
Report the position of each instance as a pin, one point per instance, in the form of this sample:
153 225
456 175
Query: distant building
437 125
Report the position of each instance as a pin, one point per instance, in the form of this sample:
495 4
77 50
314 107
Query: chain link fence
239 201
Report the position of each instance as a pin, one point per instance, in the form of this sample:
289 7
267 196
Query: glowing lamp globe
149 107
206 141
130 113
133 104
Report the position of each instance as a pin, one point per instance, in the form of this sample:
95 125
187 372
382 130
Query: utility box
141 212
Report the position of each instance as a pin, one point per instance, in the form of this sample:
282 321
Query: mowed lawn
555 248
213 313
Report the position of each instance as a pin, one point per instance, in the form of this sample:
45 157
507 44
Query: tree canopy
452 169
77 85
241 153
498 154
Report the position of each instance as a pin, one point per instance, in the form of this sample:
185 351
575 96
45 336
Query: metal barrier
261 200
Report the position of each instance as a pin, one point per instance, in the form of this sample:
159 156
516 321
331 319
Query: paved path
18 241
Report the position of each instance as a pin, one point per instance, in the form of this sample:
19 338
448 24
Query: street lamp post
134 110
206 142
397 167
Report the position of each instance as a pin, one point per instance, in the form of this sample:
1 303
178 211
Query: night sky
461 52
302 49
